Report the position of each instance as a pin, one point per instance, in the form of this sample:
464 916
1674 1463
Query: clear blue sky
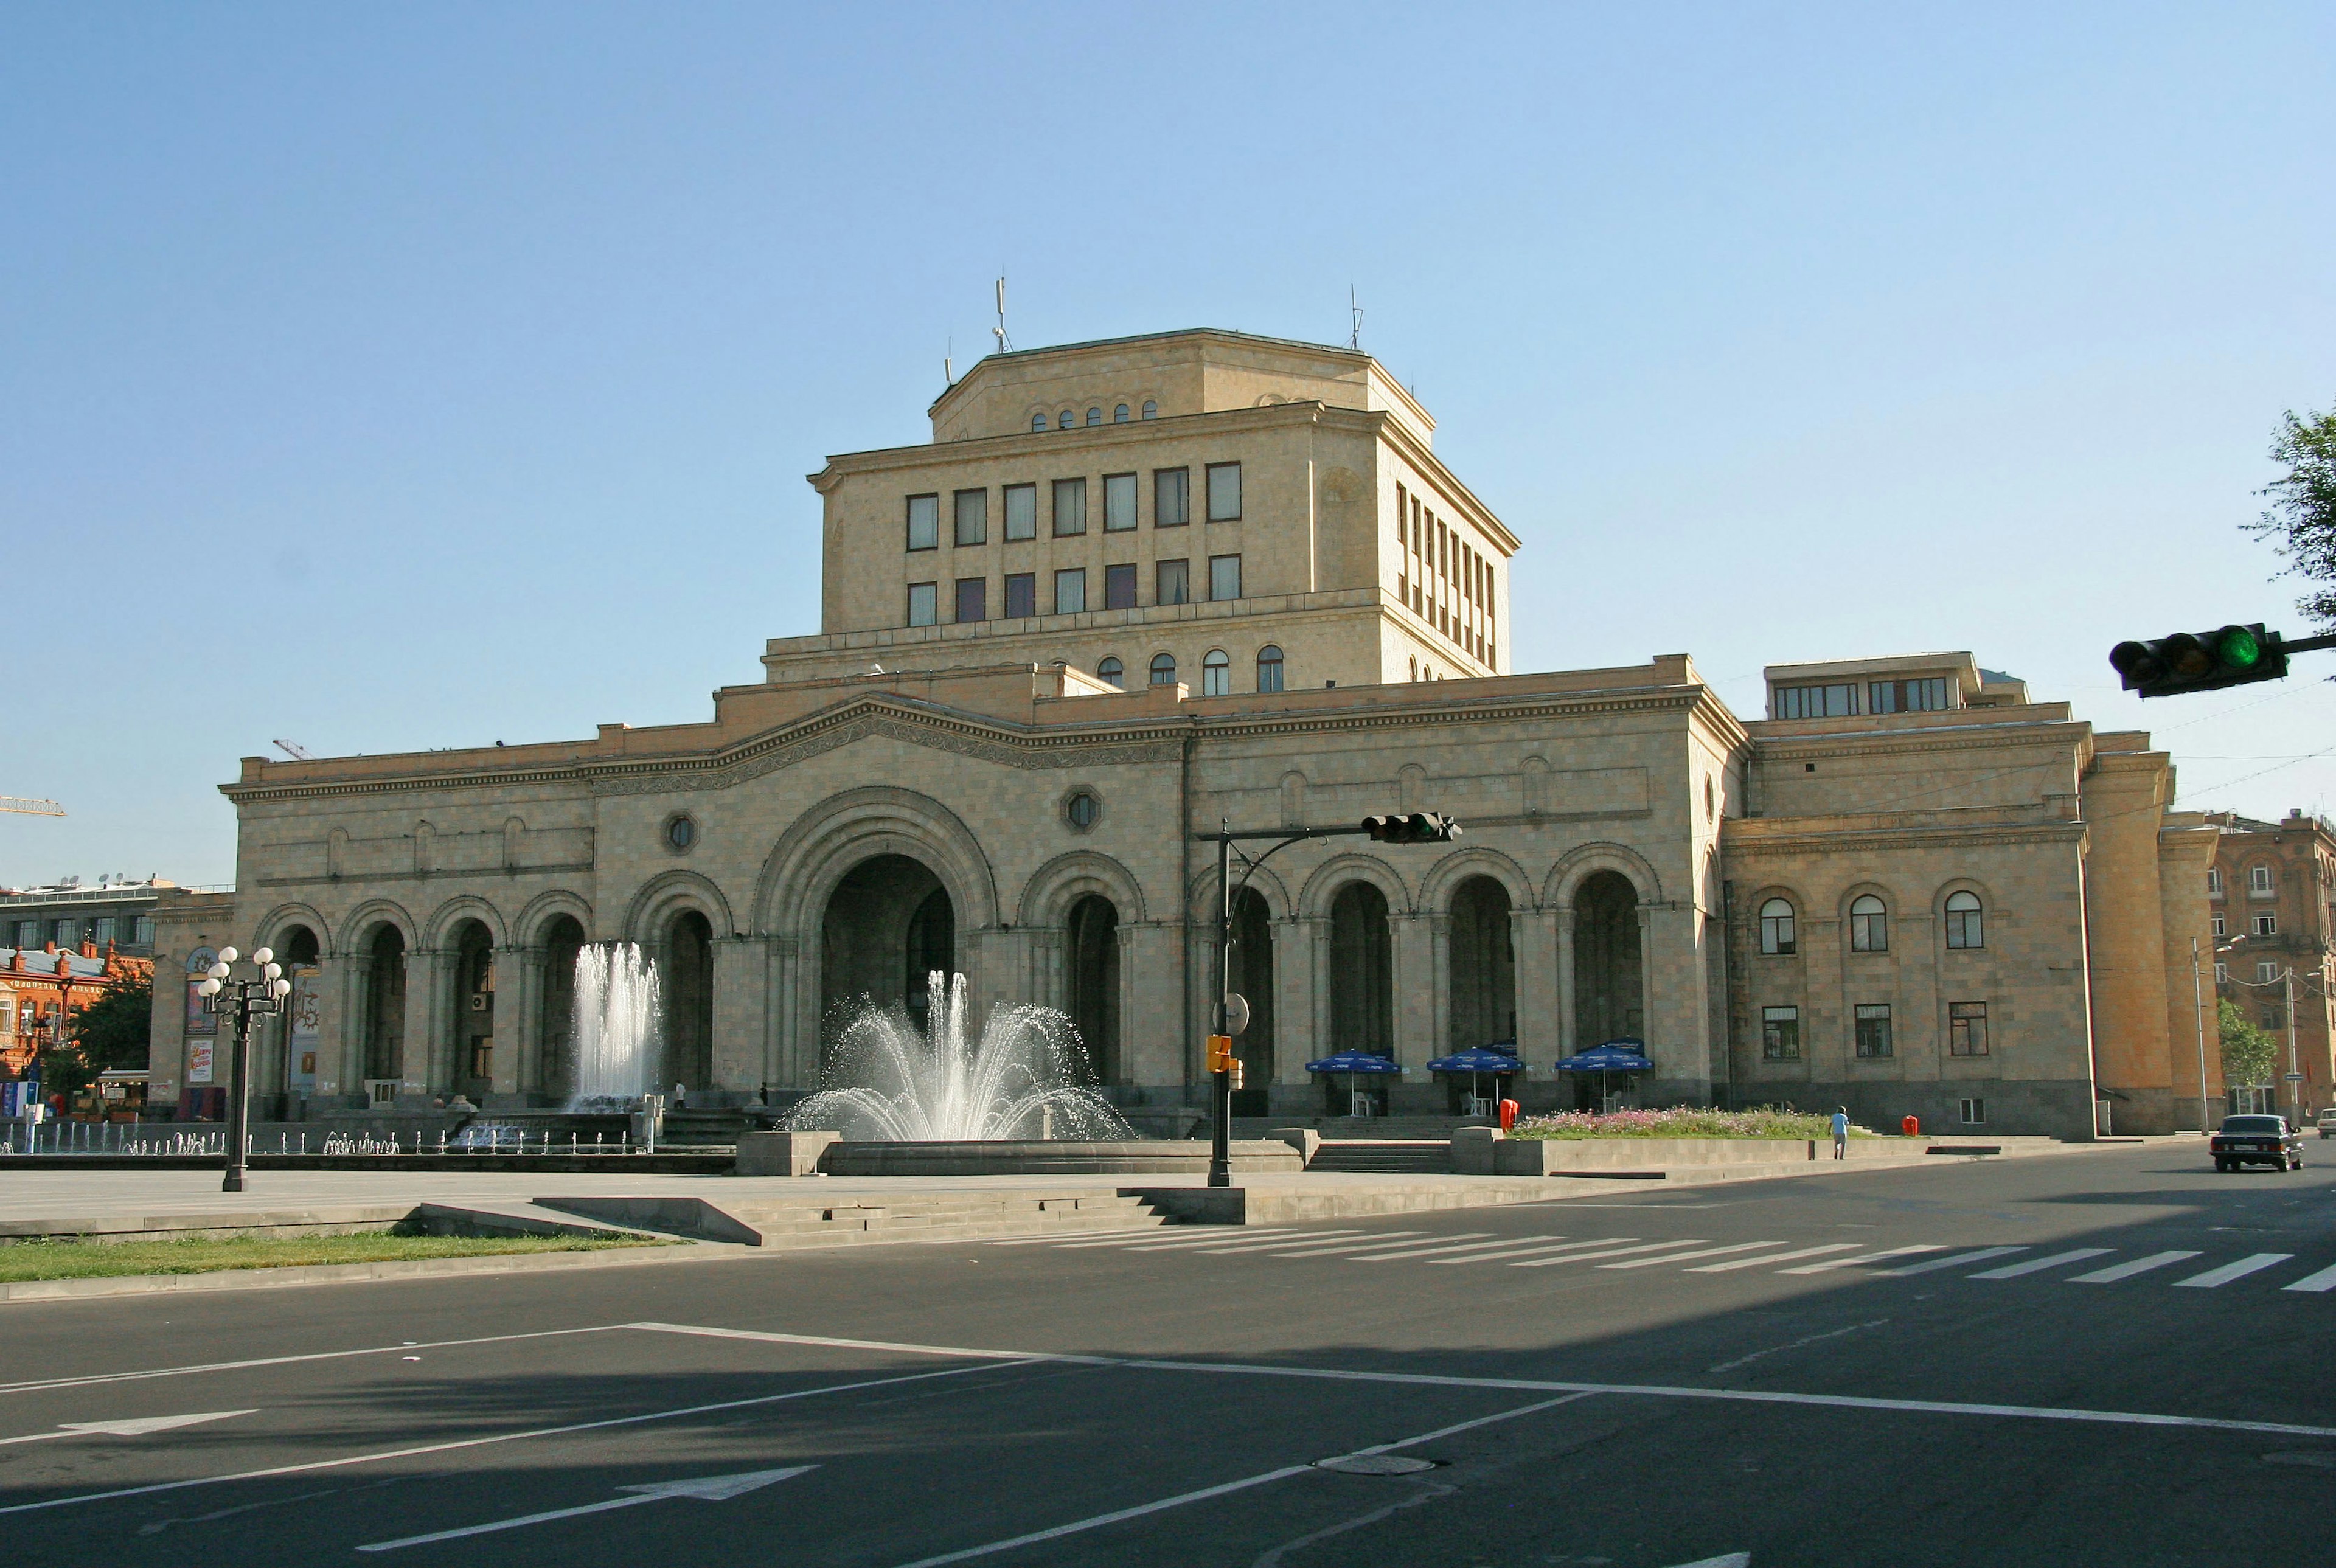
395 376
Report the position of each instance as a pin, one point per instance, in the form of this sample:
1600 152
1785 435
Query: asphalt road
2136 1373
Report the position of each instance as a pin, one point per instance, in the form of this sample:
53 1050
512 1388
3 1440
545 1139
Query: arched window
1414 667
1869 925
1119 414
1094 416
1269 668
1216 674
1037 424
1966 926
1776 928
1065 421
1150 409
1163 669
1112 671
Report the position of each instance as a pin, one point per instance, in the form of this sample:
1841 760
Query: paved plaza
2015 1361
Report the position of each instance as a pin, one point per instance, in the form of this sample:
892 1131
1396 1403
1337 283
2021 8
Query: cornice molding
1867 841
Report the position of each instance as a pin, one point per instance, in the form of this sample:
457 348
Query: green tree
2249 1055
113 1031
2302 519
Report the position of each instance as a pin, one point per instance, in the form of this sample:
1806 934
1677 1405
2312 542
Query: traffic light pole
1220 1171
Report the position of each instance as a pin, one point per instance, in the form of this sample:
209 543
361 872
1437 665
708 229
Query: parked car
2328 1122
2257 1141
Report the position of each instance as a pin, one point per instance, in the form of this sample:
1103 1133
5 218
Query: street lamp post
2198 1008
245 1000
1230 1013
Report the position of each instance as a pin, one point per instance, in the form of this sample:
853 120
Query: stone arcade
1135 589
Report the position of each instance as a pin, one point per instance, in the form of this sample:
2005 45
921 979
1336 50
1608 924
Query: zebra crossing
1690 1255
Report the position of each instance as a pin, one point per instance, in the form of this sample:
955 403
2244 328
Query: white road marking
1726 1560
1117 1232
2323 1281
1420 1251
1609 1253
1096 1521
2115 1271
2013 1271
2230 1271
1796 1344
1389 1239
136 1426
1536 1249
1277 1233
95 1377
1764 1261
1865 1257
704 1489
1683 1257
1957 1261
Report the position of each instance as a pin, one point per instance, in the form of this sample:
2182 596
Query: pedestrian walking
1841 1133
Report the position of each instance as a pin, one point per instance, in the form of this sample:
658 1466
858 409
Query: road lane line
1279 1235
1609 1253
95 1377
1387 1239
1117 1232
2323 1281
2115 1271
1432 1251
1536 1250
1683 1257
704 1489
1096 1521
2247 1265
2013 1271
1957 1261
1865 1257
1762 1262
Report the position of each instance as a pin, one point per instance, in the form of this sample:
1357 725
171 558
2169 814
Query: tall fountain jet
891 1082
617 1033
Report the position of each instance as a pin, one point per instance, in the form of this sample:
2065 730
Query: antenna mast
1004 344
1355 329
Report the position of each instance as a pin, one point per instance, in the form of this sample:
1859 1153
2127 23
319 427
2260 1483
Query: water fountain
617 1033
891 1082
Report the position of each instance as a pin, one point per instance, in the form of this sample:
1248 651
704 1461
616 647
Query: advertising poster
304 1009
199 1061
200 1018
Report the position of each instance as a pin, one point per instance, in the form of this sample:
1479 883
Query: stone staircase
1384 1157
793 1222
710 1128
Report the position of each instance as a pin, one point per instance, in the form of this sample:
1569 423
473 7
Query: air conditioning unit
480 1001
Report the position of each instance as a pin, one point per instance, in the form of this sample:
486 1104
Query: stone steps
1384 1157
807 1222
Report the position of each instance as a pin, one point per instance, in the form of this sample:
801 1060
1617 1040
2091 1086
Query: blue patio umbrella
1624 1054
1499 1060
1352 1062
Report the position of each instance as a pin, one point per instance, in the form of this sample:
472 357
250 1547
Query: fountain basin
1048 1157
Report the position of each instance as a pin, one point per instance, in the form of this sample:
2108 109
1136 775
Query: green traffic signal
2199 661
1411 828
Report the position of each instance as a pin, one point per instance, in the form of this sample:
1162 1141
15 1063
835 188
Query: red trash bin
1911 1127
1508 1114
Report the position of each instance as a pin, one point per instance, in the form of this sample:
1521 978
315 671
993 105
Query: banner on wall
200 1020
199 1061
306 1011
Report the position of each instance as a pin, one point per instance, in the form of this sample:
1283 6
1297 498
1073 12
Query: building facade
2272 890
1136 590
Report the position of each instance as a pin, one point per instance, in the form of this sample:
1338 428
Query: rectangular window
1021 595
2222 974
1967 1028
1172 499
28 934
1175 583
1906 695
1780 1034
104 932
1070 508
1874 1030
142 931
2218 927
1402 510
2266 925
1816 701
924 522
1118 502
1224 493
1224 576
2259 884
1071 591
924 599
2265 973
1119 586
973 517
1021 511
1974 1113
2273 1019
2214 883
972 597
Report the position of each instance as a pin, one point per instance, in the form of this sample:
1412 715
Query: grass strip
82 1258
1683 1122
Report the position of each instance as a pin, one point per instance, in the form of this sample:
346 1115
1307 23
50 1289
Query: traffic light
1411 828
2200 661
1220 1054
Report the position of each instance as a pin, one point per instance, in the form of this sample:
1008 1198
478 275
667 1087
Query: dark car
2257 1141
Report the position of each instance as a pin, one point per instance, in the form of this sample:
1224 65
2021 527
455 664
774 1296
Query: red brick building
36 986
2272 891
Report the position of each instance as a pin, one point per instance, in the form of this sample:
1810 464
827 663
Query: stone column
1647 986
518 1011
1412 973
1561 920
1531 939
1439 1005
1296 1041
429 1005
738 1002
1153 977
346 1023
784 1065
1130 999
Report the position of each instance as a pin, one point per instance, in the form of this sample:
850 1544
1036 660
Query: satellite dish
1236 1013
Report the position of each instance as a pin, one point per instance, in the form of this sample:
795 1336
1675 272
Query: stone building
2272 889
1136 589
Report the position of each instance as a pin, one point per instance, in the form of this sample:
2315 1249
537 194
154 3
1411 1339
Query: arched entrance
888 925
1607 999
1251 976
1483 966
474 1010
292 1058
384 1015
688 984
1362 988
1091 964
555 1059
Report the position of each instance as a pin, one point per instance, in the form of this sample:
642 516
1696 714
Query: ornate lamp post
241 1001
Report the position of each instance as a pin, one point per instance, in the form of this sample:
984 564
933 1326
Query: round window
1082 810
680 833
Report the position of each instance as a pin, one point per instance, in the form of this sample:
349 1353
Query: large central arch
888 925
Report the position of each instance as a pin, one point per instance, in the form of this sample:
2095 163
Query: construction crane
295 751
26 806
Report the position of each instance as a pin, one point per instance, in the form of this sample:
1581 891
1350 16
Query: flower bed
1683 1122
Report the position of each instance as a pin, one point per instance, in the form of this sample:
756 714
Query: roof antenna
1355 331
948 372
1004 344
